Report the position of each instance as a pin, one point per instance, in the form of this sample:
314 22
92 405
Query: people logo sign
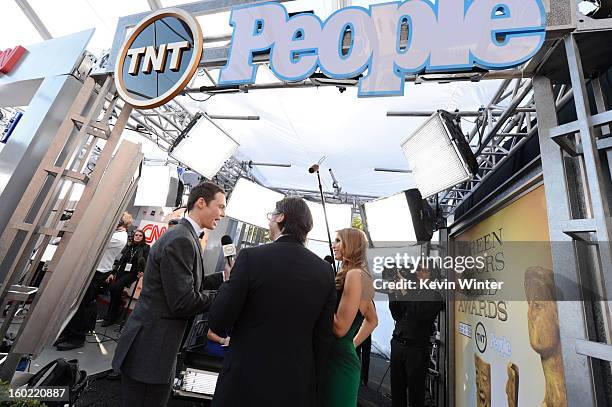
442 36
159 58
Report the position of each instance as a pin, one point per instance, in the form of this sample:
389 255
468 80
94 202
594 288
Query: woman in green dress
354 320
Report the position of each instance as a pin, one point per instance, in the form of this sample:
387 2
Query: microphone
314 168
229 250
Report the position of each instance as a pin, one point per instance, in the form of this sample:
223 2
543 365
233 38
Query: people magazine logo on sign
152 230
10 57
159 58
387 40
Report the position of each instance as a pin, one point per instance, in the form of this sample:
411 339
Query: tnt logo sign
153 231
155 57
159 58
481 337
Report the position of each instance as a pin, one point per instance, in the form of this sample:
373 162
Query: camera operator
414 312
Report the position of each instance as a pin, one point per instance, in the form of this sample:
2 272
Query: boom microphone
229 250
315 167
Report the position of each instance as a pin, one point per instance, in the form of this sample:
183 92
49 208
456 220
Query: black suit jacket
171 295
414 314
279 303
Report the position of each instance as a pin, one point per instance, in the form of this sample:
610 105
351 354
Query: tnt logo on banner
158 58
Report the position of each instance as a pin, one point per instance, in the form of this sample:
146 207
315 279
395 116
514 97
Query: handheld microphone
229 250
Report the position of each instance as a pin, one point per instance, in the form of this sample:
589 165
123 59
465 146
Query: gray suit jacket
171 295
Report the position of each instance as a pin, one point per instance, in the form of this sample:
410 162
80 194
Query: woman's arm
369 324
349 303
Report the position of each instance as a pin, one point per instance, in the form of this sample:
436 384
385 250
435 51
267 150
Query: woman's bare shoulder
357 274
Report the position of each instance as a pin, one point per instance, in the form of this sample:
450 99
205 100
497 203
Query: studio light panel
206 148
157 186
250 203
389 220
339 217
319 247
436 162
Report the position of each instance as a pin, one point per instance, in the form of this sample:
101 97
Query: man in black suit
414 313
171 294
279 303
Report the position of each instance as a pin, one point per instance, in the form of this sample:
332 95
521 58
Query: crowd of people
294 323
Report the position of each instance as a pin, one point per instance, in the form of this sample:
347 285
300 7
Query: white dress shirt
112 251
195 225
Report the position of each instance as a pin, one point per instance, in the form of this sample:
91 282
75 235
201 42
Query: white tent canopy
297 126
300 126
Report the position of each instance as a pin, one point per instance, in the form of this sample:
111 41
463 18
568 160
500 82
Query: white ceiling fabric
297 126
300 126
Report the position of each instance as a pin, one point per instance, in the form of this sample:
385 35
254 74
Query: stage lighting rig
439 154
203 146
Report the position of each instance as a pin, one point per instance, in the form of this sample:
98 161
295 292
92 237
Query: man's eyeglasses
270 215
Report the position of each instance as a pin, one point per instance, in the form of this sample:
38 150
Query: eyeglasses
270 215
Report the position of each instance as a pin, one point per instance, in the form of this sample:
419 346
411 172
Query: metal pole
465 113
331 250
393 170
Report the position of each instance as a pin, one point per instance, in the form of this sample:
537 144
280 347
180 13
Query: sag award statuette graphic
544 332
159 58
512 385
483 382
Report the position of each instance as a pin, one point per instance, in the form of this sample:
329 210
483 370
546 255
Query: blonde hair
126 220
354 253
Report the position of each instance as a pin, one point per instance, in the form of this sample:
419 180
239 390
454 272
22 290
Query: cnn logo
153 232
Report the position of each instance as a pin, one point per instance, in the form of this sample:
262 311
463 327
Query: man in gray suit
171 294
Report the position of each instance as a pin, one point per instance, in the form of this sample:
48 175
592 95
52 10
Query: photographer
414 312
130 268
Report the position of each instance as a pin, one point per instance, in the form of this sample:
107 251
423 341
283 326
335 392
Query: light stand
124 315
315 168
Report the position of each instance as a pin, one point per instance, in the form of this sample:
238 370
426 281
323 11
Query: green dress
340 378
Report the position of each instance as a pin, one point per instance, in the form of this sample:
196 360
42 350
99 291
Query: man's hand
227 270
401 278
110 278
